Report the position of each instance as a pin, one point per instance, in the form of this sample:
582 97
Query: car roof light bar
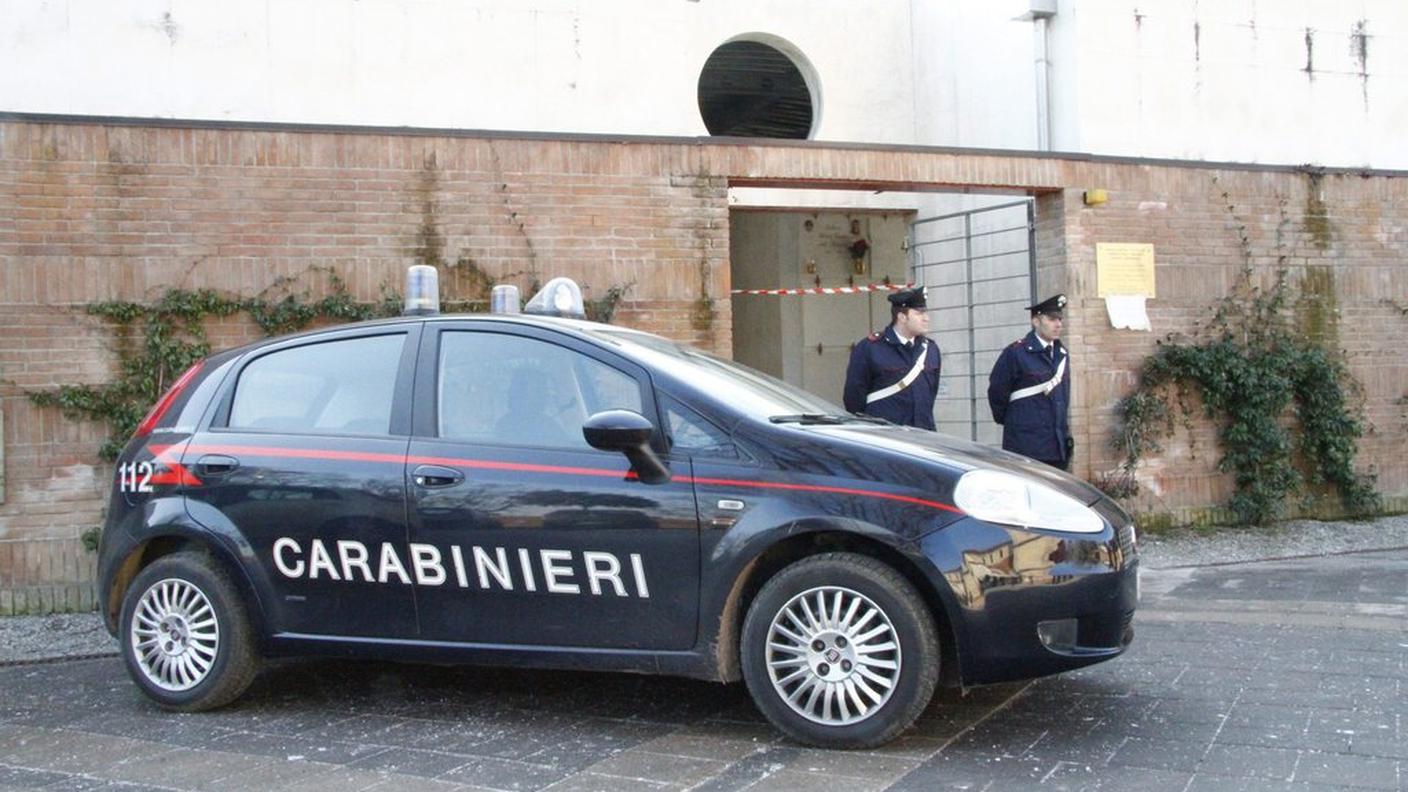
560 297
504 299
422 291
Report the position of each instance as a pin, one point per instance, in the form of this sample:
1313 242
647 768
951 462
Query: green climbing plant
603 308
159 340
1281 401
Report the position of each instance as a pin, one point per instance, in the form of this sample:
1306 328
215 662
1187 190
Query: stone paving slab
1287 675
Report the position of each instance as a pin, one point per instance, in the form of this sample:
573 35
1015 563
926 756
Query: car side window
510 390
333 387
692 433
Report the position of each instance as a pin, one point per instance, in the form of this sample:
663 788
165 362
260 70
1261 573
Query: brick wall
1343 238
46 576
108 211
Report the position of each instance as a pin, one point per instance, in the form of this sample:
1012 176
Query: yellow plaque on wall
1124 268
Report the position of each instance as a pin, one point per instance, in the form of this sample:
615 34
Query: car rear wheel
840 651
186 638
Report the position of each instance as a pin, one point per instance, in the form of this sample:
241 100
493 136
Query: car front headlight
1012 500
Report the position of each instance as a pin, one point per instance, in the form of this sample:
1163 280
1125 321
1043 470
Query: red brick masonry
112 210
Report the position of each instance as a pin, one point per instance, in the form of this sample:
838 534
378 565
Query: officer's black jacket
880 360
1037 425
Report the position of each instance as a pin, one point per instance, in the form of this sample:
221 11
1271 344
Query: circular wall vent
752 89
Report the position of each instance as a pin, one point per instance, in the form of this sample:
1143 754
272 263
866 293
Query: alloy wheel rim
833 655
175 635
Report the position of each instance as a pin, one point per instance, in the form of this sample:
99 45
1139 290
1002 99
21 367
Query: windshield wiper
807 418
825 418
858 418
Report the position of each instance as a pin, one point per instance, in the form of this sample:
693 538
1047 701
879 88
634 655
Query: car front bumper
1034 603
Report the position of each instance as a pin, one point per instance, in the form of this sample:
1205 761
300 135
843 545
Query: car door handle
436 476
216 464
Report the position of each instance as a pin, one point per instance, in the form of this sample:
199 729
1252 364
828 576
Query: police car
532 489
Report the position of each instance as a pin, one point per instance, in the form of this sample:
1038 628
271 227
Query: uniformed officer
1029 389
894 373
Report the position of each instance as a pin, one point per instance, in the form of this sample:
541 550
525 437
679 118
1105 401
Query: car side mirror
627 432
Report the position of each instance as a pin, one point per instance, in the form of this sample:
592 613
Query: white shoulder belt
1043 388
906 381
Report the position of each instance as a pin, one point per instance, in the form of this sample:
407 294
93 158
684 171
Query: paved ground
1273 675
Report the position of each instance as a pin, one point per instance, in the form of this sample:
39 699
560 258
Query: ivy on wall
603 308
160 340
1281 401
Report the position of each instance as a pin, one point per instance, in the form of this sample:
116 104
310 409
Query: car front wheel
186 638
840 651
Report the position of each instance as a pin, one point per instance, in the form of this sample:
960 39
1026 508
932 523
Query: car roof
577 327
646 353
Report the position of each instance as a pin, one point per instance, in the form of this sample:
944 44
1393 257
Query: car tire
185 635
839 651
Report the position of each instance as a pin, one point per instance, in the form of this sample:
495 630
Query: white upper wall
1281 81
1215 80
622 66
975 76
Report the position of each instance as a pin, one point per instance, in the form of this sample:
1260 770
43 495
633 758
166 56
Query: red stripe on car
525 467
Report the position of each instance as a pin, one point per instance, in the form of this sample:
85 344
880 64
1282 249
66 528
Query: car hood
957 455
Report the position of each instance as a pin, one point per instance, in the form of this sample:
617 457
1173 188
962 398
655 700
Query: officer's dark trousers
1062 464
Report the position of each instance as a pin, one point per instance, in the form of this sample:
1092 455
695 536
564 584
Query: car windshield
743 388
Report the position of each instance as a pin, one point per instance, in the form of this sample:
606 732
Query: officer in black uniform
894 373
1029 389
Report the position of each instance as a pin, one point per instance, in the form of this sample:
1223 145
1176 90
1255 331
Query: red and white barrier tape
873 287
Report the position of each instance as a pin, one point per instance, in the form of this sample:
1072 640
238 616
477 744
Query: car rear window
333 387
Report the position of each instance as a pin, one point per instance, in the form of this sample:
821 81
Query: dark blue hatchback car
543 491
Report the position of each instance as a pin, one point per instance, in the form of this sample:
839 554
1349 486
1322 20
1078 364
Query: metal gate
979 267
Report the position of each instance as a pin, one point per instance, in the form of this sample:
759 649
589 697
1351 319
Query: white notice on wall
1127 312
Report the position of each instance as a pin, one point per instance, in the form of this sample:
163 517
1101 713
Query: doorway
805 339
978 267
